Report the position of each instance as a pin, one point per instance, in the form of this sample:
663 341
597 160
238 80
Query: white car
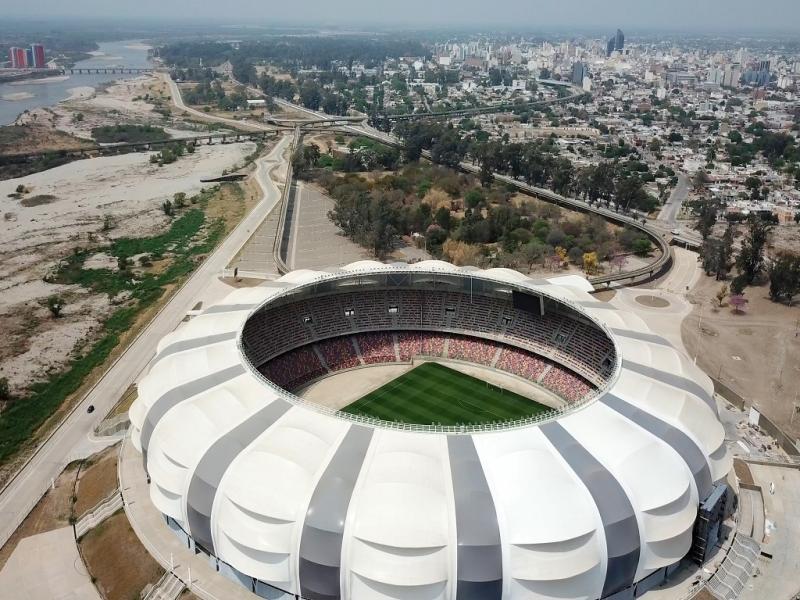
675 232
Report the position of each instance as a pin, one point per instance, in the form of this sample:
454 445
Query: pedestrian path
47 566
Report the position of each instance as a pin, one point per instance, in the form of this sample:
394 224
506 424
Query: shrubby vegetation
129 133
458 218
619 183
189 235
170 153
364 154
291 52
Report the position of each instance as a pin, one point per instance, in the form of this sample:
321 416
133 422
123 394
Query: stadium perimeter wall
787 443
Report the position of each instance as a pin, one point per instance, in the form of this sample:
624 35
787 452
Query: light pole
699 332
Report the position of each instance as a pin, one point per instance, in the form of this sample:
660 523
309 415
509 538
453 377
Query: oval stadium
431 432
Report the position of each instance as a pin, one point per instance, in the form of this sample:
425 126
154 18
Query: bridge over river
114 69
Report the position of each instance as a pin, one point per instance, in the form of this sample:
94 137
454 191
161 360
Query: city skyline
710 15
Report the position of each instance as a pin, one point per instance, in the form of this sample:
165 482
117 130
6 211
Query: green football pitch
434 394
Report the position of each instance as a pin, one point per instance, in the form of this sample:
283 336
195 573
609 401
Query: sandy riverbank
81 92
126 101
16 96
41 80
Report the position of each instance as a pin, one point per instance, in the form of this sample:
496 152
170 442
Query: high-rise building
716 76
17 56
579 72
38 56
616 43
733 74
29 57
620 41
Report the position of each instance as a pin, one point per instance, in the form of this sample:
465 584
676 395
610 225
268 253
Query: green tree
784 277
700 179
310 95
642 247
707 217
531 252
123 262
179 199
751 256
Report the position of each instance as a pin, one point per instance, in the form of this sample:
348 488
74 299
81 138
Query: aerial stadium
427 431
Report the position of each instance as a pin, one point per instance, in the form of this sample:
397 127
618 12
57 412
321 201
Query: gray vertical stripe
677 381
639 335
321 541
180 393
216 460
691 454
616 512
184 345
596 304
224 308
480 562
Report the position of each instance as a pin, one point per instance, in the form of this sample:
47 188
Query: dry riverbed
86 203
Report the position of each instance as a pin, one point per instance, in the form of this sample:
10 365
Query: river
17 97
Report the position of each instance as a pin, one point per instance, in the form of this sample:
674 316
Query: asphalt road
672 208
51 458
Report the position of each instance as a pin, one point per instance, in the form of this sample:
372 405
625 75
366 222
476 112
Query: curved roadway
650 270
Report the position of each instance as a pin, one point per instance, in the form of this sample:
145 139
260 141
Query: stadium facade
598 499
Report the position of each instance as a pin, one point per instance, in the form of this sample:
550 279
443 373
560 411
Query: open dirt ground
96 481
52 512
36 137
116 558
757 353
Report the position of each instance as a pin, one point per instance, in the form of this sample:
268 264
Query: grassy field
434 394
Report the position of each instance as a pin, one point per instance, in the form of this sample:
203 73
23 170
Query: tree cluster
461 220
784 277
538 163
212 93
718 254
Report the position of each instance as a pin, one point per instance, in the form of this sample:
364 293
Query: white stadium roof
313 503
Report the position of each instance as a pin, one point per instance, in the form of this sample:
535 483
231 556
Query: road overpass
144 146
121 69
328 120
659 240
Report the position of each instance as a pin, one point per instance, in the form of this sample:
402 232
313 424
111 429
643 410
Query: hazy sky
694 15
